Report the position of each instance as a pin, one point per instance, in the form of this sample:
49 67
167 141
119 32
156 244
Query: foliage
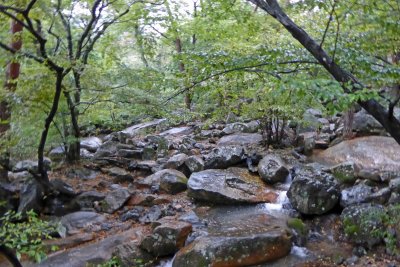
25 237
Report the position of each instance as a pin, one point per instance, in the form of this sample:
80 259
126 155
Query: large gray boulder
224 157
370 152
240 239
272 169
313 192
234 185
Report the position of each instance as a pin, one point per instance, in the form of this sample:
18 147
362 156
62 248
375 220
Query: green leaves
25 237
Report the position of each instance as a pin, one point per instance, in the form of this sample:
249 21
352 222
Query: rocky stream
189 196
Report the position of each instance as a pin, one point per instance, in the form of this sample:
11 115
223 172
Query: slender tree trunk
348 118
43 178
373 107
139 41
12 74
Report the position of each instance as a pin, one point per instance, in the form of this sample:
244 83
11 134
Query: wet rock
357 194
61 203
130 153
91 143
31 165
394 198
249 127
107 149
210 133
241 139
139 129
371 152
365 124
146 166
370 174
115 200
177 162
359 221
194 164
30 197
155 179
167 238
344 172
313 192
8 198
133 214
75 221
88 254
233 185
131 255
120 175
231 250
152 215
86 200
173 182
272 169
224 157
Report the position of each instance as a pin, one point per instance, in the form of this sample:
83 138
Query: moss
297 225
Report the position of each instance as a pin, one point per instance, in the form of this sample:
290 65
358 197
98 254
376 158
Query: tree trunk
381 114
12 74
348 118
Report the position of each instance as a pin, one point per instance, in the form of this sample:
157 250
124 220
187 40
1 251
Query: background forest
125 61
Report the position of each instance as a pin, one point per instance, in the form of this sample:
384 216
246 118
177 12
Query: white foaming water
165 263
278 205
300 252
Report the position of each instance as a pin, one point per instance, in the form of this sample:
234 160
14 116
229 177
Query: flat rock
139 129
115 200
242 237
234 185
93 253
241 139
370 152
75 221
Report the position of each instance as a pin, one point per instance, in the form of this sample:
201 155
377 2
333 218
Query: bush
25 237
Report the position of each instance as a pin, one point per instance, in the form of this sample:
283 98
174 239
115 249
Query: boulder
139 129
249 127
173 182
357 194
151 215
272 169
167 238
115 200
120 175
365 124
237 248
234 185
371 152
224 157
177 162
91 143
57 154
241 139
131 255
107 149
30 197
361 220
76 221
86 200
344 172
394 185
194 164
31 165
313 192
